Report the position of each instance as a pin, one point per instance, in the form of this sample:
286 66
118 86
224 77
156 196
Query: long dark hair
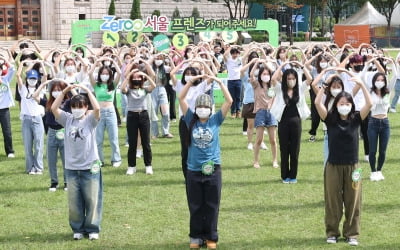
334 111
284 86
329 96
110 84
251 57
384 90
262 69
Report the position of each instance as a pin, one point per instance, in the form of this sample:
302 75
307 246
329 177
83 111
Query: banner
351 34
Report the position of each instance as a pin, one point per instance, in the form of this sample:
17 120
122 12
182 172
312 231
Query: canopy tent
395 20
366 15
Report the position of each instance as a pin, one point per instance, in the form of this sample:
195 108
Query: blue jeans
85 200
396 94
234 88
54 145
33 134
378 130
108 121
326 148
159 97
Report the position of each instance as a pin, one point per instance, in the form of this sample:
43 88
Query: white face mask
78 113
158 62
107 63
167 69
32 82
188 78
80 54
335 92
364 53
291 83
265 78
55 94
1 61
323 65
203 113
70 68
379 84
104 78
344 109
127 61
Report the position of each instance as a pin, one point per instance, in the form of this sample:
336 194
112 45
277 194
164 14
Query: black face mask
136 82
358 68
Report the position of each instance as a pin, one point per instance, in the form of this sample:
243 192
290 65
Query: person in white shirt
233 64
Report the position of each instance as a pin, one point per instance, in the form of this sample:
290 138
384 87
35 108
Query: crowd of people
71 96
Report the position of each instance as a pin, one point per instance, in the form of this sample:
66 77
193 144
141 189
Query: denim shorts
264 118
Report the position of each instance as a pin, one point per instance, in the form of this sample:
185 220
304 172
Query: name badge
271 93
208 168
356 175
60 134
95 167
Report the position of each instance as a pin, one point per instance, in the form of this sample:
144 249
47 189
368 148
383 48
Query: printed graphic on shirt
76 133
3 89
202 137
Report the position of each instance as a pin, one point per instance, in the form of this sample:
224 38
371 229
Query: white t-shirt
29 106
233 67
192 94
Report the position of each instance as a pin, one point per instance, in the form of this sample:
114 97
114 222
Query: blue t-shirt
204 145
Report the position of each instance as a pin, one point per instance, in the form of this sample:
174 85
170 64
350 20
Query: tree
111 9
238 9
135 10
156 13
195 12
176 13
386 7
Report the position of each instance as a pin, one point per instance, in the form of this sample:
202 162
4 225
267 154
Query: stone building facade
52 19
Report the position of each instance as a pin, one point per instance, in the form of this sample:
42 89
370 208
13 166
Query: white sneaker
391 110
39 172
263 146
352 241
244 133
373 176
116 164
11 155
32 172
366 158
78 236
131 171
275 164
139 153
126 145
149 170
250 146
380 176
93 236
124 119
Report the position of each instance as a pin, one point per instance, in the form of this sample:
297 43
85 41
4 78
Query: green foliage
135 10
156 13
320 39
195 12
111 8
259 36
176 13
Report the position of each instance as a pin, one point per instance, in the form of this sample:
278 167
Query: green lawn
150 212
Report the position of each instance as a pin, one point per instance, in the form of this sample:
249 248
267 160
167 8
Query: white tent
366 15
395 21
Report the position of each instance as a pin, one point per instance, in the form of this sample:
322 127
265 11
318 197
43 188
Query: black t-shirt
343 139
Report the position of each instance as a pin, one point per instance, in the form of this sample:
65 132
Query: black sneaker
312 138
53 187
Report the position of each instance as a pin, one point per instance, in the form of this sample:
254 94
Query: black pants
315 119
289 133
184 137
364 132
171 95
141 121
204 196
6 129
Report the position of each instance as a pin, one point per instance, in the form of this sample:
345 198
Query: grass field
150 212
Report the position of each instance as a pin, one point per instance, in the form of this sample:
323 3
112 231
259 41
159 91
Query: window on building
82 16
